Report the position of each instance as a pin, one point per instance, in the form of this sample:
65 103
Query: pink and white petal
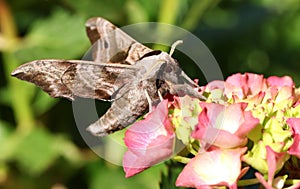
256 83
271 160
239 80
149 141
262 180
216 84
137 160
224 126
249 123
219 138
213 168
295 148
275 162
280 81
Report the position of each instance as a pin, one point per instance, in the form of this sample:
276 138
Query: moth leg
149 100
160 96
174 46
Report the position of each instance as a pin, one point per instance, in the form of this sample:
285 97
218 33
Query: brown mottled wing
111 44
69 78
96 80
124 111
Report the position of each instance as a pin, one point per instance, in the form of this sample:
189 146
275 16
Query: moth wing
46 74
111 44
69 78
96 80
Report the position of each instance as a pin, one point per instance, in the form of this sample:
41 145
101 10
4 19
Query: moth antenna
173 47
149 100
160 96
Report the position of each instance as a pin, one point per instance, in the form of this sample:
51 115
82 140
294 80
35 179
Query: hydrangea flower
246 118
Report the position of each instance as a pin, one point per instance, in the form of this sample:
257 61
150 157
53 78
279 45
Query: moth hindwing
121 70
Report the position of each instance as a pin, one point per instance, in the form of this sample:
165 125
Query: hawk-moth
121 70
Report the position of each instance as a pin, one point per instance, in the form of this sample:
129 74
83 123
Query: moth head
152 53
159 64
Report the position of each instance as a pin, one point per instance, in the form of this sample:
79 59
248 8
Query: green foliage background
40 146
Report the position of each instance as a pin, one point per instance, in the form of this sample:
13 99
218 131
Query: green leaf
68 150
4 96
168 180
110 9
43 102
60 36
136 13
5 132
7 142
36 152
3 172
110 176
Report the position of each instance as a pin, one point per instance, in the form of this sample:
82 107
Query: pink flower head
242 85
224 126
149 141
214 168
280 89
295 148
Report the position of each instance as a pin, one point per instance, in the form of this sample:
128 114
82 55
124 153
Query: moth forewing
96 80
46 74
111 44
69 78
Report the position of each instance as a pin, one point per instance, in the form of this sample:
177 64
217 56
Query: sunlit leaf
112 9
60 36
43 102
4 96
101 176
36 152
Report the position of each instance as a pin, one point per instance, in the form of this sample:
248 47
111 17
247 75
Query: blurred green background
40 146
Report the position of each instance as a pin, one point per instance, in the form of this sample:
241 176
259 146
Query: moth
122 70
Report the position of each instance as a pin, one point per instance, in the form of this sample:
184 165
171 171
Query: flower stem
168 14
19 103
247 182
196 12
191 149
181 159
292 181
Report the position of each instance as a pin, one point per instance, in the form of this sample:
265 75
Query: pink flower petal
216 84
262 180
213 168
238 80
280 81
137 160
275 162
149 141
242 85
224 126
295 148
256 83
